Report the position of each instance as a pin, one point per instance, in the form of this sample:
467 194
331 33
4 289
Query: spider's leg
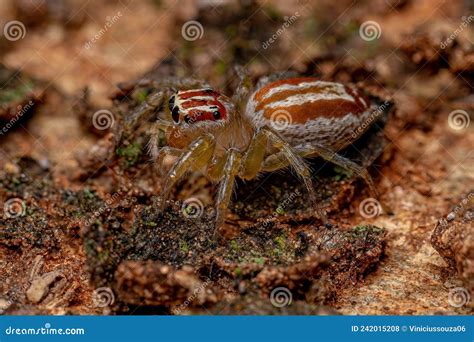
166 151
145 110
167 82
198 155
254 156
244 89
216 167
298 163
227 179
314 150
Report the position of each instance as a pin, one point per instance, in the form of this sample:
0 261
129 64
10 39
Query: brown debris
453 239
154 283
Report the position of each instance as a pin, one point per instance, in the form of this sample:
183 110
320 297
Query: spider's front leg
162 153
129 124
196 157
226 175
254 159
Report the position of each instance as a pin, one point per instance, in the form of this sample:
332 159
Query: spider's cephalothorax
197 105
276 126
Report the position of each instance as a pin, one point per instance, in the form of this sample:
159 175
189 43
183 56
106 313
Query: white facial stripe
339 88
191 91
297 100
203 108
201 98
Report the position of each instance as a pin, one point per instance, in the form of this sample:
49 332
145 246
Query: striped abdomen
305 110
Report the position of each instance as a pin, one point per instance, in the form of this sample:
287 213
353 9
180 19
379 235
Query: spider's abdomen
306 109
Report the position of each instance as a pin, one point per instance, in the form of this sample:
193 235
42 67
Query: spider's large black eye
187 119
216 115
171 103
175 114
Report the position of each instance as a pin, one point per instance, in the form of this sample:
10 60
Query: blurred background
63 61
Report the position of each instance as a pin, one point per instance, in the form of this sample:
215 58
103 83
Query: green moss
130 154
141 96
183 246
235 246
16 94
341 174
280 242
89 194
280 210
360 228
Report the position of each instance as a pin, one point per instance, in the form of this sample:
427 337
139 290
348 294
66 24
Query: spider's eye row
171 103
175 114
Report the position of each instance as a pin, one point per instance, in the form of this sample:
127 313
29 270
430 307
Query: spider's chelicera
273 127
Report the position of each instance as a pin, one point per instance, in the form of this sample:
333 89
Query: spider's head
200 108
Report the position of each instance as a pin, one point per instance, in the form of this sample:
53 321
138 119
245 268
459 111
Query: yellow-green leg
166 151
253 161
277 161
198 155
227 179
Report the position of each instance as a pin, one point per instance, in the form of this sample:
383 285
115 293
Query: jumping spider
276 125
